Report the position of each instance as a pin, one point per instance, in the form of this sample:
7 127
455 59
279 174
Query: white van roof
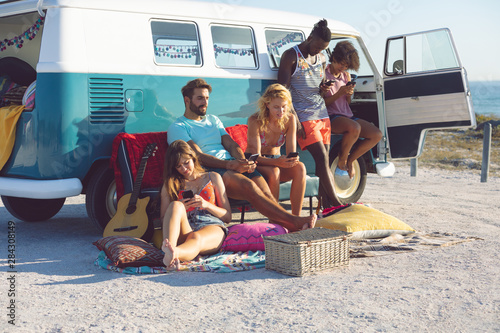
225 12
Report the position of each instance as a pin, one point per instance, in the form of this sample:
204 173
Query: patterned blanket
224 262
227 262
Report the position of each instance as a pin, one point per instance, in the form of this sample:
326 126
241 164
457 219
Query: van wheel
32 210
348 190
100 199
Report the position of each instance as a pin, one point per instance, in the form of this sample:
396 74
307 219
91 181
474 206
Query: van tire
354 192
32 210
100 199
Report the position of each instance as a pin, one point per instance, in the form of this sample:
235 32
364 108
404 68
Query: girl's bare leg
371 136
205 241
175 230
350 130
272 176
297 175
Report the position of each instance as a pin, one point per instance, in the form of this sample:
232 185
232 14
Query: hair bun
322 23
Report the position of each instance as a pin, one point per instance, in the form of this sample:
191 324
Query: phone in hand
329 82
292 154
350 83
188 194
253 157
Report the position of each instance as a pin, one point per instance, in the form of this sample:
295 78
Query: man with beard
218 152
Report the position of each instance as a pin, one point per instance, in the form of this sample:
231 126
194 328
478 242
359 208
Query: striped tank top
304 87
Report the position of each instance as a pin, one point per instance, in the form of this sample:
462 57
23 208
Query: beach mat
228 262
223 262
395 244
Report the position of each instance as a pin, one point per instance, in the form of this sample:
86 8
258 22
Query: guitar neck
138 181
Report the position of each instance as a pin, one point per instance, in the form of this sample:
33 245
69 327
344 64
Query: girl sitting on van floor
337 100
268 130
191 226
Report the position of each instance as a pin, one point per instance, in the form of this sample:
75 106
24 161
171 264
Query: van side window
420 52
234 47
176 43
278 41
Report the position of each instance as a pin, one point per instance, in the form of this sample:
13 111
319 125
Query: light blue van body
105 67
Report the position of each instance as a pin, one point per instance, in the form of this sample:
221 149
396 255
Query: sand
452 289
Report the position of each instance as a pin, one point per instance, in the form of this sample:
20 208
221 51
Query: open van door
425 87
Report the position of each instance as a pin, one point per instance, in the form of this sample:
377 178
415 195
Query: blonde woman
269 129
192 224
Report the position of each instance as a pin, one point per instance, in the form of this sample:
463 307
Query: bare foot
170 258
311 222
350 170
342 165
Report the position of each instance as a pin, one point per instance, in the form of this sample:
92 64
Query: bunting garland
176 51
241 52
29 34
290 38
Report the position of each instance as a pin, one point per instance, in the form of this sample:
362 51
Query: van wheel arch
32 210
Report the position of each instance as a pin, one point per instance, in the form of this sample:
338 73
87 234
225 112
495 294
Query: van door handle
415 98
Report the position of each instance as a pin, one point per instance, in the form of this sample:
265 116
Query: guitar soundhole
131 209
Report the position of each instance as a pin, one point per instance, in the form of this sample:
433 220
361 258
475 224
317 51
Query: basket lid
308 235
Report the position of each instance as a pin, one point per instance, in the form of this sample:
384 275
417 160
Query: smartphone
253 158
188 194
329 82
292 154
350 83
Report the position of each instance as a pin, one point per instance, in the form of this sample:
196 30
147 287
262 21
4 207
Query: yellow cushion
364 222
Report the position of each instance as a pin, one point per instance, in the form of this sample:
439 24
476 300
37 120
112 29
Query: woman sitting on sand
268 130
191 226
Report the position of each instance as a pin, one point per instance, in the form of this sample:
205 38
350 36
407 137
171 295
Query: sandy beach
57 287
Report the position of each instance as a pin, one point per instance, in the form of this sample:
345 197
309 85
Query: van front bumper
40 189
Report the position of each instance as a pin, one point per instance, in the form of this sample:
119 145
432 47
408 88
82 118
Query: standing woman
337 100
191 226
268 130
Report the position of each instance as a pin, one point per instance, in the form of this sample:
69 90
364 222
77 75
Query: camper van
100 67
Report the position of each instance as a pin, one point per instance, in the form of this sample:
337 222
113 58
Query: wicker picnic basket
307 251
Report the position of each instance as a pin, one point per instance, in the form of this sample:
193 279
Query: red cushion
136 143
239 134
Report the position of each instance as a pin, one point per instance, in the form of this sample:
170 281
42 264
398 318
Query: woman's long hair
273 91
172 179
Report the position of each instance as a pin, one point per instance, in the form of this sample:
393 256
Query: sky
475 25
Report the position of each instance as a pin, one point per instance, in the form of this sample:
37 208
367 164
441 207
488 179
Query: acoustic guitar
131 218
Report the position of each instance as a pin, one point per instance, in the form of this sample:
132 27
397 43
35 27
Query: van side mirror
397 67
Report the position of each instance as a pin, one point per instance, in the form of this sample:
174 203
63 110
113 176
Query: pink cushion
248 237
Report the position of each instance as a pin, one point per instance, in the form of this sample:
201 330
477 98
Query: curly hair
321 30
273 91
346 52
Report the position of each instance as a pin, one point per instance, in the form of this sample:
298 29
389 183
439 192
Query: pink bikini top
279 143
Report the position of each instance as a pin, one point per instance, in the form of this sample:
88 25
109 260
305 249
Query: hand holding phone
187 194
351 83
292 154
253 158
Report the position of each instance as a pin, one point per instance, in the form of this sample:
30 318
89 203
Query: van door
425 87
